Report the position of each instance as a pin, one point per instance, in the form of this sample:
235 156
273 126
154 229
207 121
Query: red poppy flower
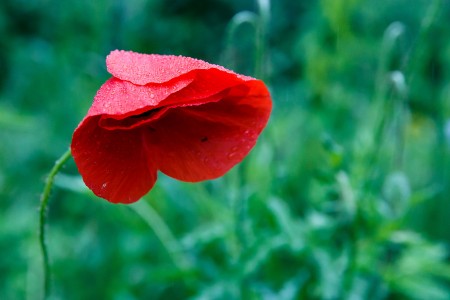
189 119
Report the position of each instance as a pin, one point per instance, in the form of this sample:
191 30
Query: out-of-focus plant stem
164 234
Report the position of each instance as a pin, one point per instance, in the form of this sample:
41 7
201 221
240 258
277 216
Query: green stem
43 219
260 36
162 231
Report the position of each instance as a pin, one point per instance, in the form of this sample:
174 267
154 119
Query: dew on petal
231 155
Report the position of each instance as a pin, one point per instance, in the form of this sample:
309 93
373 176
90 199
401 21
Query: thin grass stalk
162 231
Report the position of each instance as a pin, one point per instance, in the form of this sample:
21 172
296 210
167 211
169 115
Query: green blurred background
345 196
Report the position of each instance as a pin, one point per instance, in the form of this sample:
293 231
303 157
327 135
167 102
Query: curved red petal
203 142
117 99
122 98
206 85
142 69
113 164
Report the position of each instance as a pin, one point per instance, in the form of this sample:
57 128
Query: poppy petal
206 83
121 98
203 142
113 164
117 99
142 69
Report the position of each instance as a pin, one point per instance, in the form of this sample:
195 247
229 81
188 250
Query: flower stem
164 234
43 219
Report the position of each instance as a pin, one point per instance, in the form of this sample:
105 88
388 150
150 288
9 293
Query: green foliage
345 196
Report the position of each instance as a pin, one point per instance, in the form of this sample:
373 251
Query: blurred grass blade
162 231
